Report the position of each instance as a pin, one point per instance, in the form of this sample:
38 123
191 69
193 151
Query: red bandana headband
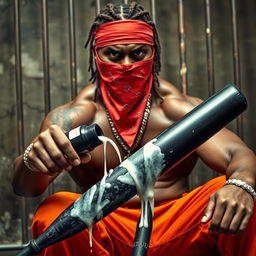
123 32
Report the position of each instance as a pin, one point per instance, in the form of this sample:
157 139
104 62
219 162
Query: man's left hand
229 210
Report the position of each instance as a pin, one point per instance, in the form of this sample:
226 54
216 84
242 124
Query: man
214 219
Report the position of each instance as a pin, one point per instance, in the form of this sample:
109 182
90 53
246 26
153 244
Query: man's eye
114 54
138 53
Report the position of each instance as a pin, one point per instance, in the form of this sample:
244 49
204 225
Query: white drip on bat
144 175
84 207
105 140
144 180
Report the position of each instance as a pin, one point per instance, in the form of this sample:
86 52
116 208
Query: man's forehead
113 33
125 46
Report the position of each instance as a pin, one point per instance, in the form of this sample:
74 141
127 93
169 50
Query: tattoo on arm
191 103
64 117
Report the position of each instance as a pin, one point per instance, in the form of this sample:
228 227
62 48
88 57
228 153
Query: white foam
105 140
143 176
84 207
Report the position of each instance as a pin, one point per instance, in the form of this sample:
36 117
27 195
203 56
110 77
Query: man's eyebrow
137 47
113 48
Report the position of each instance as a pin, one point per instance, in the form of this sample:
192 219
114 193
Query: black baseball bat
142 235
156 157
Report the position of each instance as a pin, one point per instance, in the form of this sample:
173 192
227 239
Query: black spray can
85 137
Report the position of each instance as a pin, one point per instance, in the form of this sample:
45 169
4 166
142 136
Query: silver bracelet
25 157
243 185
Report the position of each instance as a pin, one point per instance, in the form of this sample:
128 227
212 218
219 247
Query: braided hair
112 12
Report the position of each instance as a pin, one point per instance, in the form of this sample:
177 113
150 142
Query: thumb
85 157
209 209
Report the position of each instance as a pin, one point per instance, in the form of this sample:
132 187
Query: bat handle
142 237
30 250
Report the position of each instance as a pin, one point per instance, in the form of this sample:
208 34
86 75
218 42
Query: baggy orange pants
177 229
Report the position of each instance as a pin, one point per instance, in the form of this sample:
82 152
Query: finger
209 209
45 158
234 225
53 151
227 219
217 216
244 223
85 158
240 220
66 147
38 166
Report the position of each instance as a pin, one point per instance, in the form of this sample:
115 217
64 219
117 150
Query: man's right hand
52 152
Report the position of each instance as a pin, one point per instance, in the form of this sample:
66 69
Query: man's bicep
217 151
68 117
62 116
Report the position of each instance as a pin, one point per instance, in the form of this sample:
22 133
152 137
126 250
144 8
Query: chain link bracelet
25 157
242 184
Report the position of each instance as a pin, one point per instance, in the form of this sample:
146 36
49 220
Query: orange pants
177 229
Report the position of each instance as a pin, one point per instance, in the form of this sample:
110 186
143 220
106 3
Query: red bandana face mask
125 88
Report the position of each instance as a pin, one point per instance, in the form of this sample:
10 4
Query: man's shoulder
80 110
84 99
86 94
168 89
175 104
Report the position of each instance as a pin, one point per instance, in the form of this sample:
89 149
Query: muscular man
125 88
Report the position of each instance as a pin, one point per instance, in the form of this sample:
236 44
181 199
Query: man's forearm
26 182
242 166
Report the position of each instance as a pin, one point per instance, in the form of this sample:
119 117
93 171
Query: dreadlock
131 11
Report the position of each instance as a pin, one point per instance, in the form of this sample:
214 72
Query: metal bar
45 44
236 55
209 48
46 65
12 247
97 6
19 100
153 10
182 47
72 48
236 61
18 72
209 52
